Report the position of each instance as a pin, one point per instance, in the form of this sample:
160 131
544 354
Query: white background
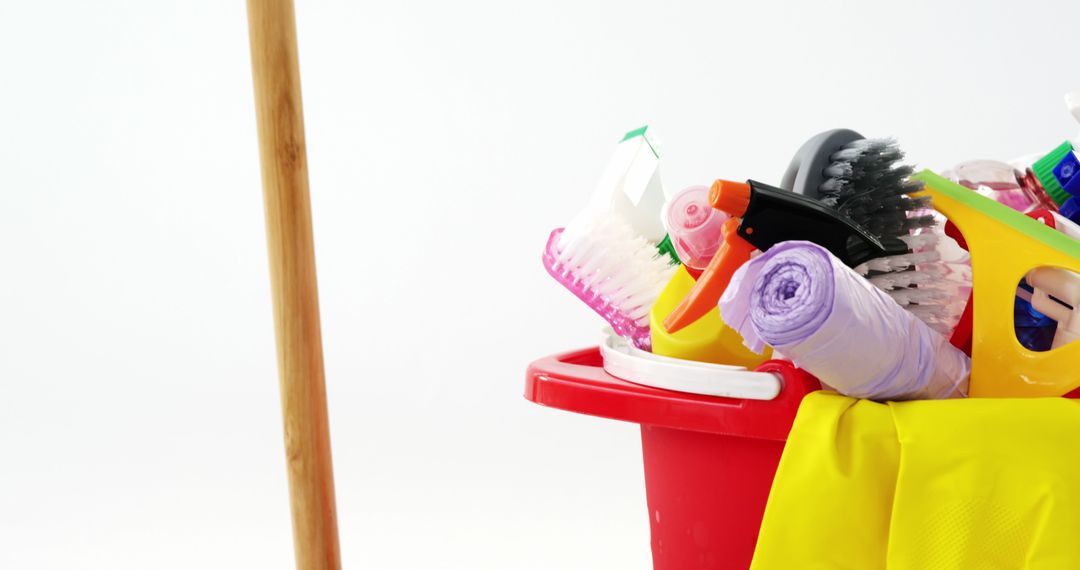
139 415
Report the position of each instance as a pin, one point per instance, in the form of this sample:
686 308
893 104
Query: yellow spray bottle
707 339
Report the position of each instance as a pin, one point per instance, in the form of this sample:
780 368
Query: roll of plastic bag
801 300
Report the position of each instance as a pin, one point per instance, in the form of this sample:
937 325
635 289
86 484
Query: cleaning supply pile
883 282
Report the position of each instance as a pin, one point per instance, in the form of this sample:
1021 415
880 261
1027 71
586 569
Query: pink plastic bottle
1002 183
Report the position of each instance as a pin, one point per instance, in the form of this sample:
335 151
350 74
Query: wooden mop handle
272 28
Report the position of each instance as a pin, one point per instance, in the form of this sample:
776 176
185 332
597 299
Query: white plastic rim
626 362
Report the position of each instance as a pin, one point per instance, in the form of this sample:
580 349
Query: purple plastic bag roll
801 300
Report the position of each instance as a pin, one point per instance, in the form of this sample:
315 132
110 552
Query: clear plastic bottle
1002 183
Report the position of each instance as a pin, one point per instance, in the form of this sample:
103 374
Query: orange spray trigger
730 197
710 286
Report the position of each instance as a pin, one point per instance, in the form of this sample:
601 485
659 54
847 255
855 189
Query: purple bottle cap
1071 209
694 226
1073 186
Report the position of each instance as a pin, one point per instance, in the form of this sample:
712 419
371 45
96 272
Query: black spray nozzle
774 215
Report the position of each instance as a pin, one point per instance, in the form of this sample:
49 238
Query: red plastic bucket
709 462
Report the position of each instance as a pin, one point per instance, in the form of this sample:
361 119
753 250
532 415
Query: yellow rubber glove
975 483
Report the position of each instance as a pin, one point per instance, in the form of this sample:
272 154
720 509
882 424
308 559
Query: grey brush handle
806 172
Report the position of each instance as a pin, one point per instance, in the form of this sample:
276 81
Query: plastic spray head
771 215
694 226
706 292
763 216
730 197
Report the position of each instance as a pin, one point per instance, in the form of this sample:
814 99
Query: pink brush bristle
612 271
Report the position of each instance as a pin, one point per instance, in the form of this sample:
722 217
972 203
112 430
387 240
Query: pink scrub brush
615 271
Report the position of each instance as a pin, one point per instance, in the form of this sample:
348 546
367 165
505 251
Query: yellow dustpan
1004 246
